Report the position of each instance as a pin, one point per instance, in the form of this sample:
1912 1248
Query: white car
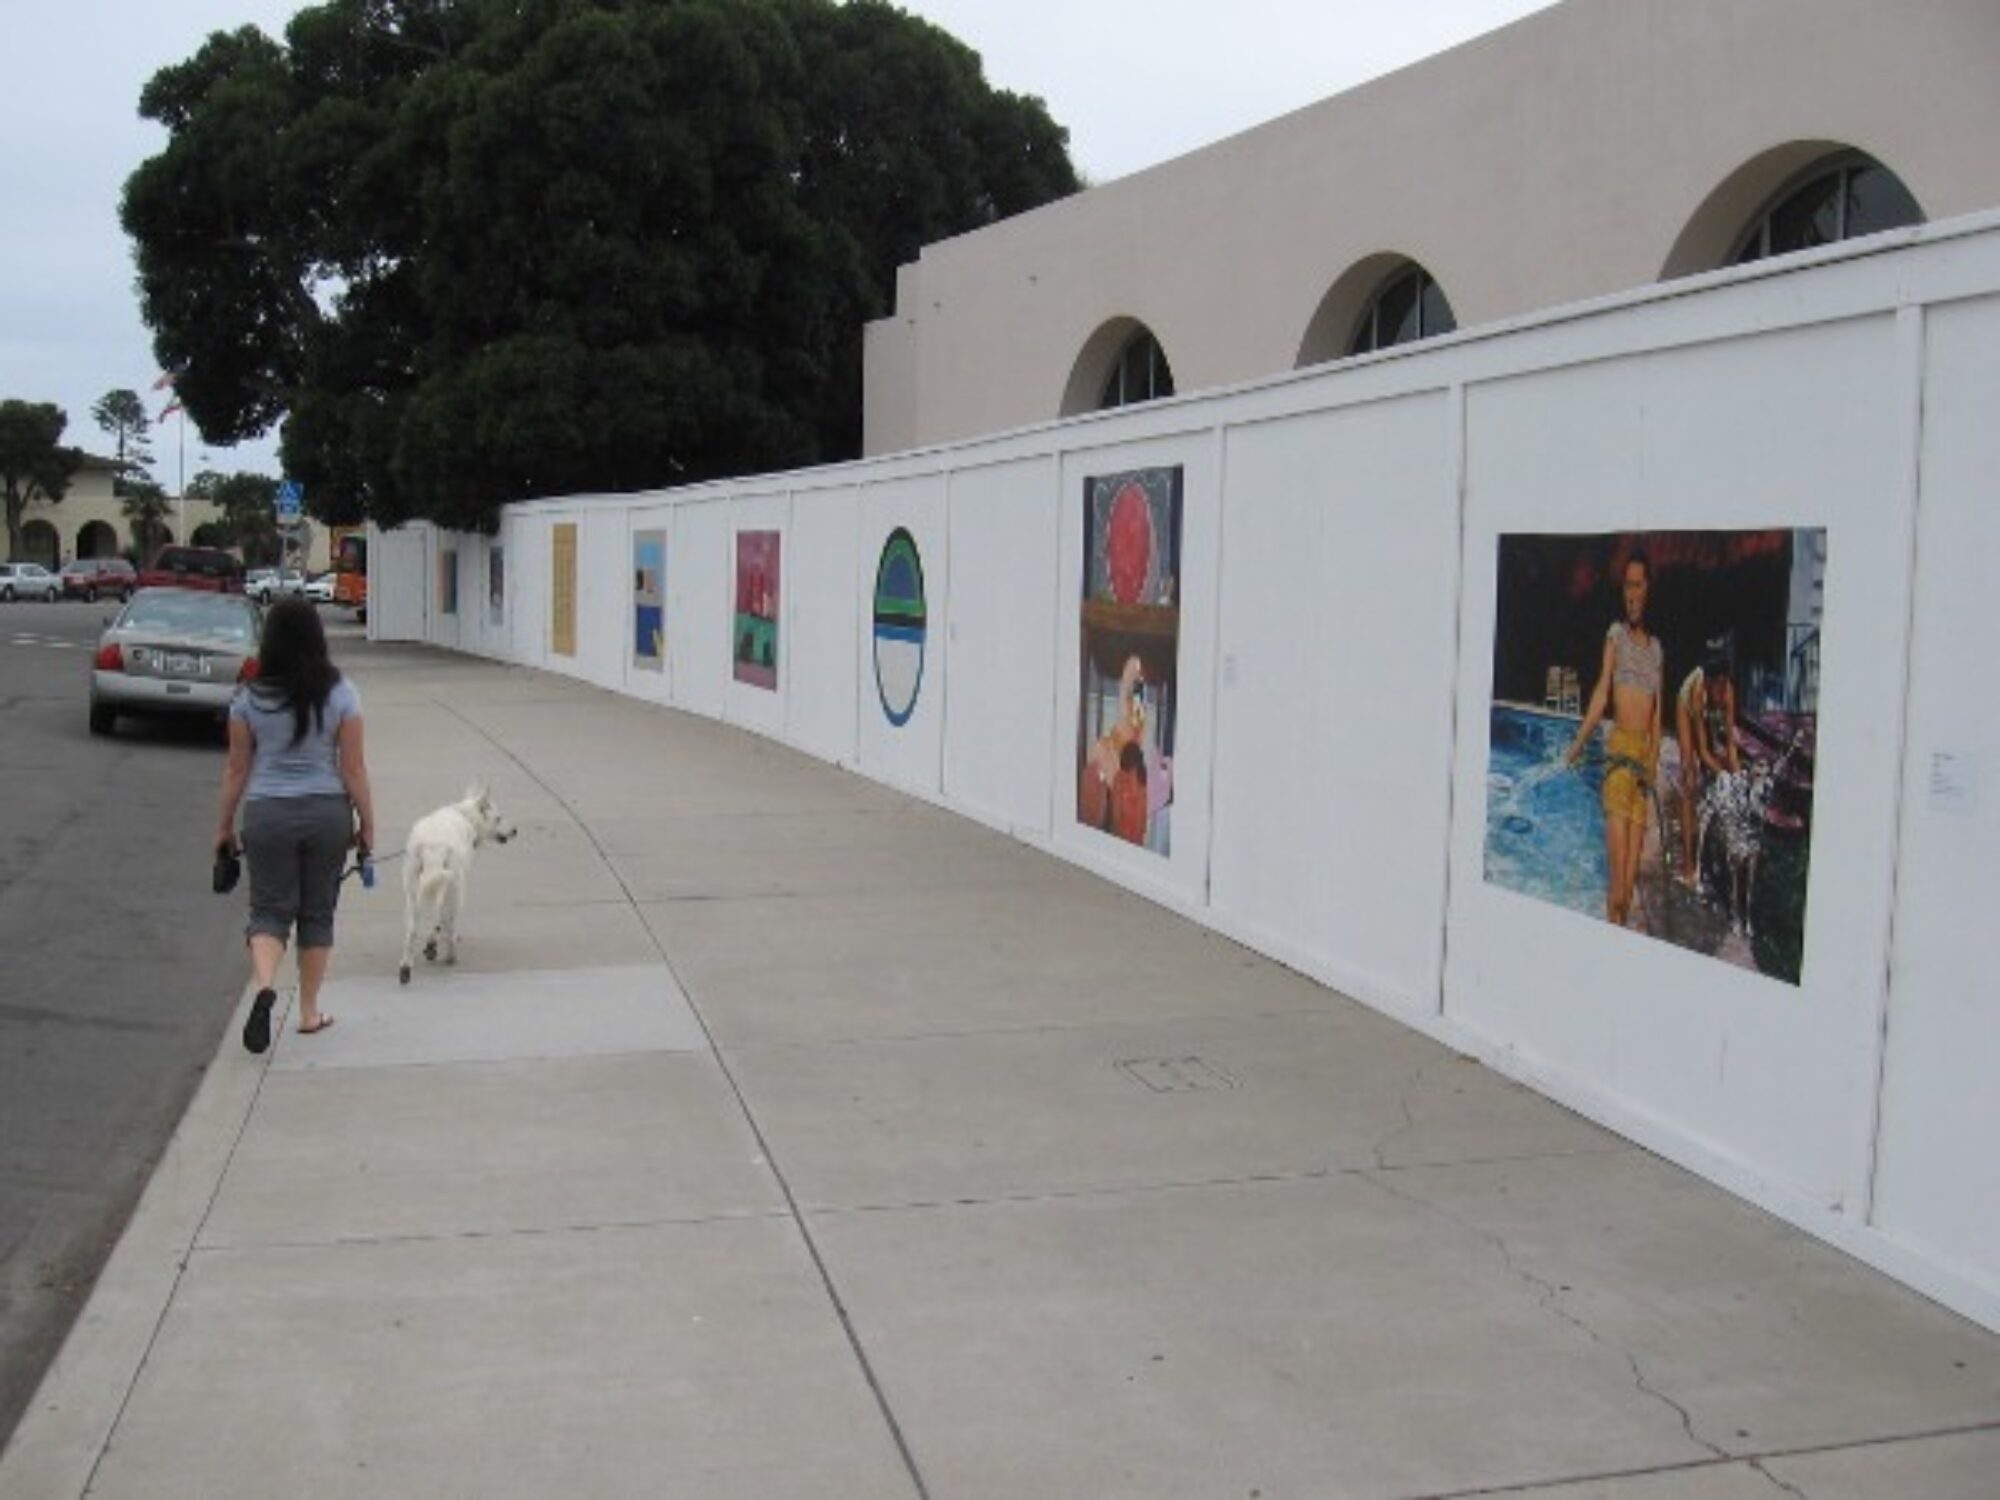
274 583
320 589
24 580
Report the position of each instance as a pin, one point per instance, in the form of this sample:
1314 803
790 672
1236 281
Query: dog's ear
477 791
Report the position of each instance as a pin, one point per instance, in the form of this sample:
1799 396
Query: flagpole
169 381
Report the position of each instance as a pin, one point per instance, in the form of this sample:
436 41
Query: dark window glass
1852 198
1409 306
1877 200
1437 314
1396 311
1807 218
1140 373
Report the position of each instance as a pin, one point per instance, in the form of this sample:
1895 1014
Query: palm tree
145 506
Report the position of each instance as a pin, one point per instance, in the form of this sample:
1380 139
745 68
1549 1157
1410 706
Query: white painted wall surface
397 583
603 595
998 652
822 624
1340 535
698 605
1338 634
1938 1172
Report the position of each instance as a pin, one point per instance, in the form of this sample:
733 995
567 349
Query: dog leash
364 866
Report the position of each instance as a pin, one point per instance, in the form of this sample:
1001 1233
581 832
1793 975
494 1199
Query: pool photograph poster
1128 684
649 599
755 630
1652 733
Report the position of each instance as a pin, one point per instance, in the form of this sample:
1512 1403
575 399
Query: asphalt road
119 970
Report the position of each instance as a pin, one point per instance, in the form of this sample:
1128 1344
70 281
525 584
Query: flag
166 380
170 408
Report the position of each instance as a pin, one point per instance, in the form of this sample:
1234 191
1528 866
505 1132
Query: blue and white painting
899 627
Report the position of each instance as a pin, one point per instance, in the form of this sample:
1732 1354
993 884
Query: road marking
44 640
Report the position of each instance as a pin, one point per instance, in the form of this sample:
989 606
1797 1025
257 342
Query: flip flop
320 1025
257 1030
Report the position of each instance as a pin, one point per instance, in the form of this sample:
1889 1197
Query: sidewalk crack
1409 1124
1549 1295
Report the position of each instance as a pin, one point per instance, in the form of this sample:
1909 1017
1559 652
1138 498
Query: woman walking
299 771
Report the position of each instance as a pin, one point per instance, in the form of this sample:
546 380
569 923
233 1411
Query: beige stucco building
1592 148
90 521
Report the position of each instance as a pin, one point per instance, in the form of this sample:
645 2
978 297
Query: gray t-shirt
311 768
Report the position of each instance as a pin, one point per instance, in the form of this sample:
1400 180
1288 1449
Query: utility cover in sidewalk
1175 1075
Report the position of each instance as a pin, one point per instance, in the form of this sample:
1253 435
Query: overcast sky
1135 81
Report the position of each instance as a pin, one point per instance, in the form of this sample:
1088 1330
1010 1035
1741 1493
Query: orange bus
350 568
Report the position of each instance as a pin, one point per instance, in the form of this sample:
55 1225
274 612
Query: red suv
194 568
88 577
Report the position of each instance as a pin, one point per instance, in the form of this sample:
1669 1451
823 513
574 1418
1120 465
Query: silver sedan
173 651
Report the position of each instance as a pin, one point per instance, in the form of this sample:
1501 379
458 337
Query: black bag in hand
228 869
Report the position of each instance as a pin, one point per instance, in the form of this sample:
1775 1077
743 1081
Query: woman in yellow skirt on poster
1629 684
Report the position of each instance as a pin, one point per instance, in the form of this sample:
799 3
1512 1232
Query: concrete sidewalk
777 1135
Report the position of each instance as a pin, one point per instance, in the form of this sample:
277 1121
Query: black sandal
257 1030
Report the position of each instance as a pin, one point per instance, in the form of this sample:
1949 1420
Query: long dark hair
293 668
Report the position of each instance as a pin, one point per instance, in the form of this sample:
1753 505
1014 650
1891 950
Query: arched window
39 543
96 539
1835 200
1140 373
1409 305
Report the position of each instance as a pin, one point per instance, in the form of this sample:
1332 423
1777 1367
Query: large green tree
122 417
34 464
475 250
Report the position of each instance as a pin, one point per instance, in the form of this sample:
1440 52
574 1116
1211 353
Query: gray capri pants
295 847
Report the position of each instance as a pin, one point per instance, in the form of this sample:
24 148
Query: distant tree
475 250
249 518
122 415
34 464
145 507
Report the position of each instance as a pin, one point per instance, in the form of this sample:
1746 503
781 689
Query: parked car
274 583
320 589
24 580
173 651
88 577
211 568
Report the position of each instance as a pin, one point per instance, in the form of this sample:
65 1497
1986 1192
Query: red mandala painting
1128 545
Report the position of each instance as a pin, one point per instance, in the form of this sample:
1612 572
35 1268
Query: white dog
436 865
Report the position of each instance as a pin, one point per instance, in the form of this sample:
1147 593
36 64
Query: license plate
181 664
